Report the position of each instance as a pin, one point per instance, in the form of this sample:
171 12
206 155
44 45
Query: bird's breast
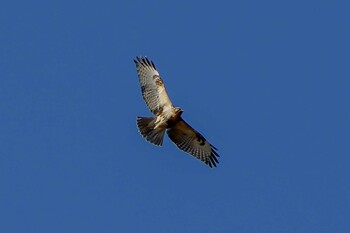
172 117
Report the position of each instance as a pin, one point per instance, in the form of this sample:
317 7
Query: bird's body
167 117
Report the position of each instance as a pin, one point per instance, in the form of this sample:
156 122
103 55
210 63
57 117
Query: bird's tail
147 129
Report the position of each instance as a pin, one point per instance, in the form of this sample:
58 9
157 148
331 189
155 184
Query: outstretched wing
189 140
152 86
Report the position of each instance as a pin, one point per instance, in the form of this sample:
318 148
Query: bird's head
179 111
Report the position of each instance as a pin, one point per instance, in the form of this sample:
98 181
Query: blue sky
266 82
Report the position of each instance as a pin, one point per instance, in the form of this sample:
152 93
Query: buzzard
167 117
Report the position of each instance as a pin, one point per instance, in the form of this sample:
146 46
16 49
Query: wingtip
213 147
138 59
212 160
143 60
214 153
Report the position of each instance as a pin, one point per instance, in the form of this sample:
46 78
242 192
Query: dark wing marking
189 140
152 86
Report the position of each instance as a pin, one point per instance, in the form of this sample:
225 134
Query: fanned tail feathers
146 127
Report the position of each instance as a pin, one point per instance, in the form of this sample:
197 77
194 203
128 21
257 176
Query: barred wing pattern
189 140
152 86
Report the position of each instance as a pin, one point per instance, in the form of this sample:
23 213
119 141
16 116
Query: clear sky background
266 82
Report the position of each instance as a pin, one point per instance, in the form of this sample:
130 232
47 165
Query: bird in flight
167 117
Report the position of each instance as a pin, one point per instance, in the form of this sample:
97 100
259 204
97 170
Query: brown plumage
167 117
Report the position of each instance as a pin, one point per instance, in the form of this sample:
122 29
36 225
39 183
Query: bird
167 117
